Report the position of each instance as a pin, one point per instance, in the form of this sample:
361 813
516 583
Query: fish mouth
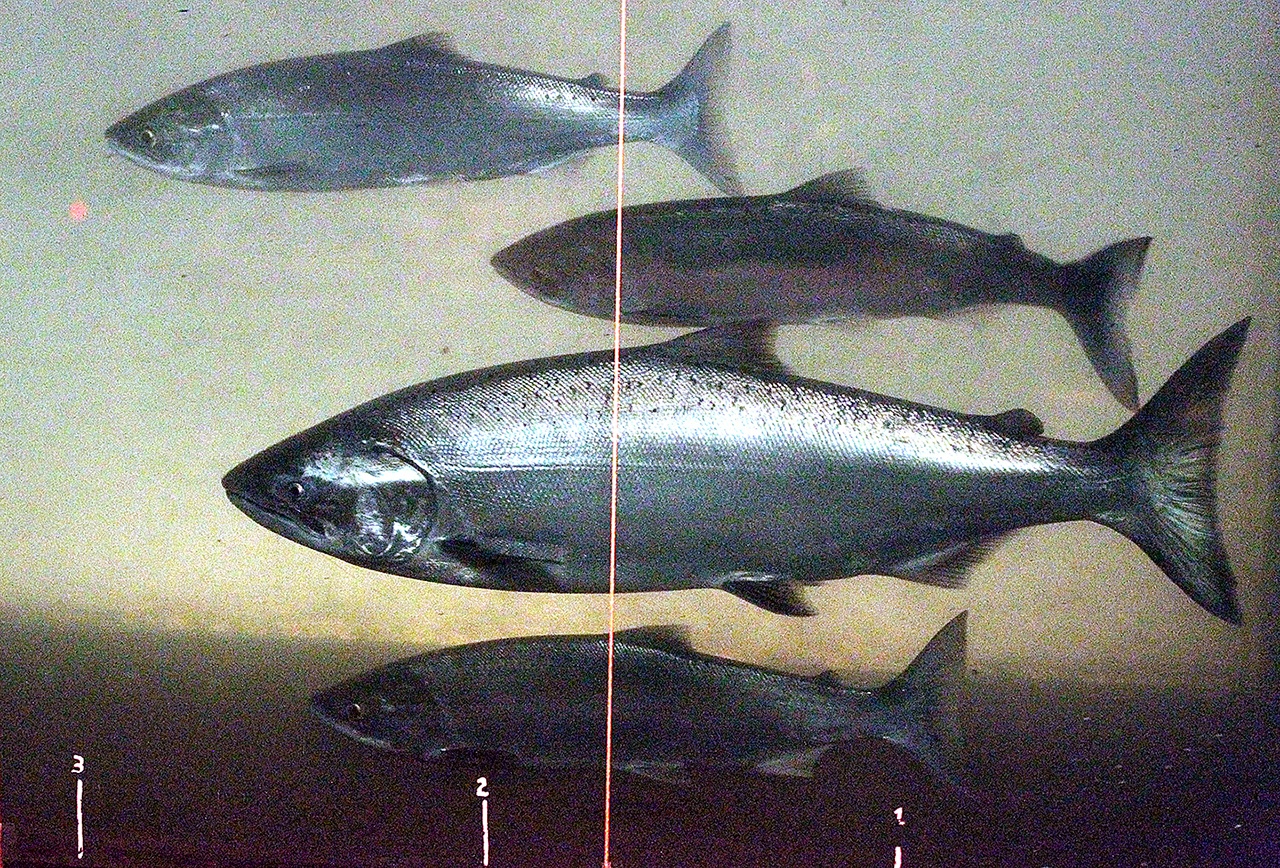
320 706
117 149
117 146
287 526
504 262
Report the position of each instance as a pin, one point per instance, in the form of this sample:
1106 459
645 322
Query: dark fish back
823 251
544 700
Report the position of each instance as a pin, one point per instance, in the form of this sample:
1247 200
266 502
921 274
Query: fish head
390 708
183 135
338 492
568 265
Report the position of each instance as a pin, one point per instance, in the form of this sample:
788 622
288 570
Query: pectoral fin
778 595
501 570
290 172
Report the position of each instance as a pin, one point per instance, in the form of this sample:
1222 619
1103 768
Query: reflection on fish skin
414 112
541 700
822 251
733 473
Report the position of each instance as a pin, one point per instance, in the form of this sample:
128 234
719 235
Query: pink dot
78 211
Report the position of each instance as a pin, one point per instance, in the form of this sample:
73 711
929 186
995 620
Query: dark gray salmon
541 700
734 473
822 251
413 112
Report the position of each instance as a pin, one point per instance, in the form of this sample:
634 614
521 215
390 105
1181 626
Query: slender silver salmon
413 112
541 701
734 473
822 251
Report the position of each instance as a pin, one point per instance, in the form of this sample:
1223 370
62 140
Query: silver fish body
823 251
541 700
733 473
412 112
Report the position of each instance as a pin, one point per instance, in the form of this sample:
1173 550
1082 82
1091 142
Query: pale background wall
180 328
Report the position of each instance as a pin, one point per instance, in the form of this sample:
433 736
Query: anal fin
778 595
798 764
667 772
948 567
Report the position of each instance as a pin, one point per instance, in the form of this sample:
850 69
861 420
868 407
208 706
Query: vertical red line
613 429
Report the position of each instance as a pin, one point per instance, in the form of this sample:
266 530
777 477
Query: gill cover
357 501
181 135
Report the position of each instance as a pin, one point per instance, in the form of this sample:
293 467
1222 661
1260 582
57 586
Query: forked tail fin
691 123
923 701
1094 300
1170 450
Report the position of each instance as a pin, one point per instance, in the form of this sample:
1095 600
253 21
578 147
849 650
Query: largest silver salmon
412 112
734 473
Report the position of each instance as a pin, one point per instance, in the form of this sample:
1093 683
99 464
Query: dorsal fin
661 637
846 186
831 678
597 80
424 44
745 346
1016 423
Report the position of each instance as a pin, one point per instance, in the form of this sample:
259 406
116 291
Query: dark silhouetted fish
733 473
822 251
412 112
541 700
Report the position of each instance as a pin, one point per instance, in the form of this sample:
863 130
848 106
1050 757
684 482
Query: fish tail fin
1169 453
1094 300
691 124
922 702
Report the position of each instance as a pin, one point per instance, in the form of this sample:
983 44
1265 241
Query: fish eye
353 713
291 491
149 137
